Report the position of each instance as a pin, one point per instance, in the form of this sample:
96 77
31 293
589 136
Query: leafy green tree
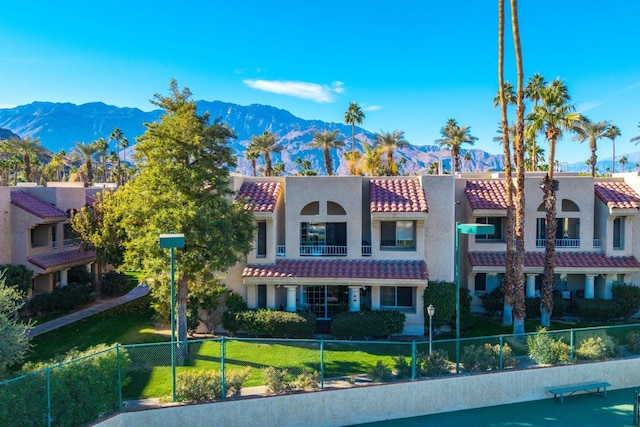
586 130
326 141
612 133
389 141
266 144
554 115
184 186
370 161
453 136
15 342
353 116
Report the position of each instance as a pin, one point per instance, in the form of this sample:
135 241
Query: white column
608 286
252 299
271 297
375 298
291 297
589 288
531 285
354 298
64 281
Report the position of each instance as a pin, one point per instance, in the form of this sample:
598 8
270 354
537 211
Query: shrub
627 299
597 309
365 324
234 381
276 324
486 357
402 367
380 372
17 276
196 386
434 364
114 283
533 307
633 342
278 380
493 302
72 295
546 350
308 380
595 348
443 297
234 304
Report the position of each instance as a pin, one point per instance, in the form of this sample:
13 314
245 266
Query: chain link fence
82 390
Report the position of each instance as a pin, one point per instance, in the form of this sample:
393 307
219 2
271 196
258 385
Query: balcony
560 243
597 243
281 250
366 250
323 250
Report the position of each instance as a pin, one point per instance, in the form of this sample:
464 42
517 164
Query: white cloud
589 105
304 90
372 108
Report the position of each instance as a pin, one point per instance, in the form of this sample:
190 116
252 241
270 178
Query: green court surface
584 410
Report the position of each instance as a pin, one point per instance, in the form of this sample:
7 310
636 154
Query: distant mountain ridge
61 125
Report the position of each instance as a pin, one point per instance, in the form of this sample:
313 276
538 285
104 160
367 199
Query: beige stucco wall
385 402
440 226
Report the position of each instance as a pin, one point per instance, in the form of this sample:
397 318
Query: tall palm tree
612 133
353 160
124 144
353 116
102 145
26 147
86 152
623 161
506 96
554 115
326 140
370 161
636 139
252 154
453 136
266 144
585 130
117 135
532 92
389 141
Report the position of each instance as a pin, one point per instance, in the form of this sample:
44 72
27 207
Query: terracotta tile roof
587 260
397 195
71 257
33 205
356 269
617 195
490 194
260 196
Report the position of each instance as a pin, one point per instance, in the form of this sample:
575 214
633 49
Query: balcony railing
366 250
323 250
597 243
281 250
71 242
560 243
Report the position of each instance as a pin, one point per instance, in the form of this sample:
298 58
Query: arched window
335 209
312 208
569 206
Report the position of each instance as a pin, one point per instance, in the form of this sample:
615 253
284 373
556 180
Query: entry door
327 301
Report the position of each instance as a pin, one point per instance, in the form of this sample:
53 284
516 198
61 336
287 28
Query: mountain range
61 125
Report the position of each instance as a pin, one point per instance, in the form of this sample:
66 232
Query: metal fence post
119 376
49 418
413 360
501 352
636 412
222 380
321 364
571 345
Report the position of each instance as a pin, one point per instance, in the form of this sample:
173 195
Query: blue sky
410 64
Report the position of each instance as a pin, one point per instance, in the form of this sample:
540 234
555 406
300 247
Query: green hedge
443 297
367 324
275 324
597 309
72 295
533 307
627 299
493 302
17 276
113 283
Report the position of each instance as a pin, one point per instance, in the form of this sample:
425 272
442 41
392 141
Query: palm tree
623 161
612 133
585 130
509 94
353 116
453 136
102 145
389 141
26 147
86 152
353 159
117 135
554 116
326 141
371 163
124 144
252 154
266 144
532 92
636 139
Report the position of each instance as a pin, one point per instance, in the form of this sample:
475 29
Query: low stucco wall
389 401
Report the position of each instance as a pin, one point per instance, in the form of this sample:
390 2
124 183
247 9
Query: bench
569 389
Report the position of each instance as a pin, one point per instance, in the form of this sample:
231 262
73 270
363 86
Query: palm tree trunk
548 283
253 167
27 166
507 310
267 164
519 310
593 158
353 145
327 162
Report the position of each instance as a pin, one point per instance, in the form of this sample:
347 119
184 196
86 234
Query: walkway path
137 292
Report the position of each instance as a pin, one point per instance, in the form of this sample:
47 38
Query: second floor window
618 233
261 249
398 235
497 227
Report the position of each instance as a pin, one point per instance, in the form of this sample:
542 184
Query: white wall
390 401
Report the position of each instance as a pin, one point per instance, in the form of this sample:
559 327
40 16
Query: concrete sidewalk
135 293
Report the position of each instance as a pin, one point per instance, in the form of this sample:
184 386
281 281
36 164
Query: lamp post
431 310
172 241
464 229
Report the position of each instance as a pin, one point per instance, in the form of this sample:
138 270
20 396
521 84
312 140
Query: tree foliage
183 186
14 342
